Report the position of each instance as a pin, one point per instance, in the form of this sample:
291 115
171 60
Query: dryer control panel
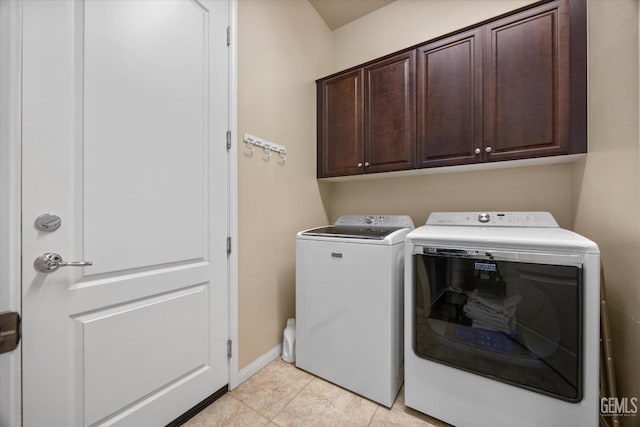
493 219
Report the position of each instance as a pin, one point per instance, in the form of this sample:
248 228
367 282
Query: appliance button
484 217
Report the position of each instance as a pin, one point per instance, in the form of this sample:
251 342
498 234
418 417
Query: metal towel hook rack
267 146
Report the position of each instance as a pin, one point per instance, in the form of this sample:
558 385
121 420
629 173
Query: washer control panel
380 221
493 219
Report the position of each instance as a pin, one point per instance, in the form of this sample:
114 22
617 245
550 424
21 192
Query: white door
125 106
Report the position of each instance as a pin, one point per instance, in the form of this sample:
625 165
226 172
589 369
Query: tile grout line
374 415
296 395
238 412
257 411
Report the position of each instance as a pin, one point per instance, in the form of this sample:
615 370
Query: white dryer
502 321
349 300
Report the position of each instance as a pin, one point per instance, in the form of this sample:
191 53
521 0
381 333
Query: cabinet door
527 84
340 125
450 100
390 112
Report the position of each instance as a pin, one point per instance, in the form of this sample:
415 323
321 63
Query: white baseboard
262 361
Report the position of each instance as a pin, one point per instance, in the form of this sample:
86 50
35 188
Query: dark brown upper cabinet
341 125
513 87
366 119
526 97
390 114
450 100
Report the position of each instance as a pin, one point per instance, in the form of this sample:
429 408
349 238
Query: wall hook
250 147
267 152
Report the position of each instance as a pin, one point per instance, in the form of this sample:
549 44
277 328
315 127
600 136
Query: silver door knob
367 164
477 151
359 164
487 149
50 262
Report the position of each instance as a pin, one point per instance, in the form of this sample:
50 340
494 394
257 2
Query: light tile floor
282 395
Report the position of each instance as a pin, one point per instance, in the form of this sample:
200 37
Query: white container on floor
289 342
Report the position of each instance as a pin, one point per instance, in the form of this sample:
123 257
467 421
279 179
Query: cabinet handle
477 151
359 164
487 149
367 164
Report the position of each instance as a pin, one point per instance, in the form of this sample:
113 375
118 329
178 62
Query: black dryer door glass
514 322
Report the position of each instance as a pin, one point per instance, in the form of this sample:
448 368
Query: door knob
50 262
359 164
477 151
487 149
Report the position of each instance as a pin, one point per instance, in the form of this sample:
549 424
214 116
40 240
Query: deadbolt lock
48 222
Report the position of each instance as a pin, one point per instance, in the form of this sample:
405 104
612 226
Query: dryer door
519 322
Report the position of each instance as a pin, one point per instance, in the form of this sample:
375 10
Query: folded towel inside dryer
492 313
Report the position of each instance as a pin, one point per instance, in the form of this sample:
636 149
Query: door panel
340 121
355 139
120 140
450 100
390 114
129 75
118 340
527 94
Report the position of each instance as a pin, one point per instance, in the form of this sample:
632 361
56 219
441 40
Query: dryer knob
484 217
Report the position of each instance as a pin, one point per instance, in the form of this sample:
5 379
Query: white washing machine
349 301
502 321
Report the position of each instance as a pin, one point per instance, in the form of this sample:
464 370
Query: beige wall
545 188
283 46
606 193
404 23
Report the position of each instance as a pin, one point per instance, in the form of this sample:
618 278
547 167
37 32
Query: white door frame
10 190
10 199
233 194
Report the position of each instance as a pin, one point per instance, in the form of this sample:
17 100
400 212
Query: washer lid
371 233
371 227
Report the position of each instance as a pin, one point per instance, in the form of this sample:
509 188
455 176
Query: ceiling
337 13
